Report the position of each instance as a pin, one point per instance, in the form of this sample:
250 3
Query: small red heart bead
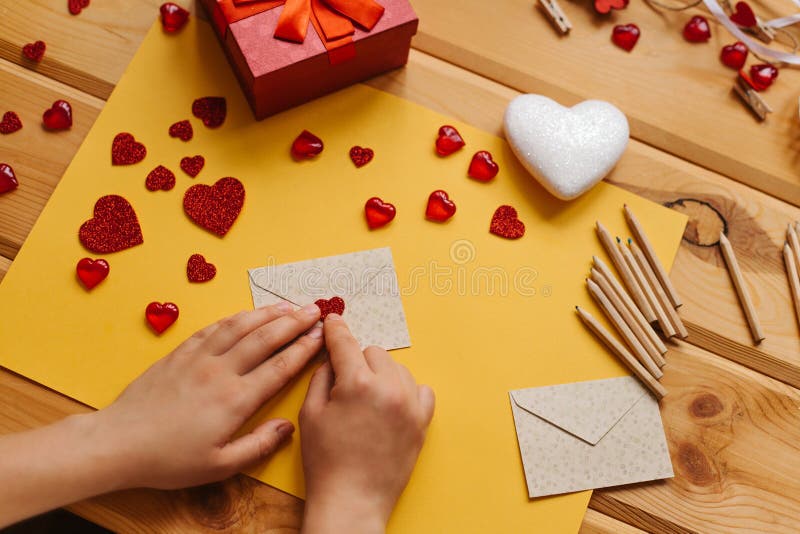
448 141
34 51
126 150
173 17
605 6
306 146
59 116
192 166
625 36
440 207
360 156
161 316
76 6
10 123
215 207
734 55
483 167
378 212
505 223
212 110
182 130
697 30
91 272
160 178
763 75
743 15
113 227
8 180
331 305
198 270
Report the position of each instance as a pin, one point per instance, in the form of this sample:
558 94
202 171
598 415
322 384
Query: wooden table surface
732 418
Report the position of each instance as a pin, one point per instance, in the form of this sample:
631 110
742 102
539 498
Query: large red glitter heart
173 17
161 316
734 55
697 30
59 116
360 156
126 150
34 51
763 75
378 212
114 226
605 6
10 123
211 110
198 270
182 130
91 272
331 305
160 178
448 141
440 207
192 166
8 180
625 36
743 15
215 207
306 146
506 224
483 167
76 6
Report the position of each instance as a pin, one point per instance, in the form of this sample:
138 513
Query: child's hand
362 425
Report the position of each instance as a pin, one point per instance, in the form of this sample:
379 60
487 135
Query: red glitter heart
483 167
332 305
59 116
92 272
605 6
361 155
743 15
182 130
378 212
10 123
126 150
173 17
160 178
306 146
198 270
697 30
34 51
216 207
113 227
506 224
440 207
8 180
76 6
762 76
448 141
734 55
625 36
161 316
192 166
211 110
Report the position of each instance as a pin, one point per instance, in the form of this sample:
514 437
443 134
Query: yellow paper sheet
470 341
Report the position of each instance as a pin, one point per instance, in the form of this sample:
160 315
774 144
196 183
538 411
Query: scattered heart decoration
173 17
160 178
10 123
211 110
360 156
743 15
306 146
161 316
763 75
448 141
440 208
331 305
625 36
198 270
697 30
126 150
378 213
113 227
505 223
91 272
734 55
59 116
605 6
193 165
76 6
8 179
182 130
34 51
215 207
483 167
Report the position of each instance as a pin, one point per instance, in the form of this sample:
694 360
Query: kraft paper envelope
366 281
589 435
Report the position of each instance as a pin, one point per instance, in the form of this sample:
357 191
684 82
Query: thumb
258 444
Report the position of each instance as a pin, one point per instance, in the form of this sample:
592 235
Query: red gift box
287 53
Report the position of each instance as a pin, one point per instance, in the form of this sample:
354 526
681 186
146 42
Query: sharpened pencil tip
619 240
630 241
577 308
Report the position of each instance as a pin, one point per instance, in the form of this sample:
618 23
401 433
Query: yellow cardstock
485 315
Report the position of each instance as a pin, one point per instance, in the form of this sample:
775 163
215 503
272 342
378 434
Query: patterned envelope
589 435
365 280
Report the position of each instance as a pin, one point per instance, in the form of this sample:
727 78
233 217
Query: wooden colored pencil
794 243
622 353
741 288
652 258
794 281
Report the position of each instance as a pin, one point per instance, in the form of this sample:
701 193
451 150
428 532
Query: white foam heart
568 150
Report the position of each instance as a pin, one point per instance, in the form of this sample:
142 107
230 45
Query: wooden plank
677 95
5 264
595 522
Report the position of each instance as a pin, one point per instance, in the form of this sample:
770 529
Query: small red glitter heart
734 55
182 130
76 6
697 30
332 305
173 17
211 110
92 272
762 76
215 207
605 6
625 36
198 270
378 212
192 166
440 207
8 180
306 146
161 316
113 227
483 167
448 141
743 15
160 178
34 51
506 224
126 150
361 155
59 116
10 123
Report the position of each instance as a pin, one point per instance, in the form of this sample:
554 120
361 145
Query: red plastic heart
192 166
306 146
440 207
8 179
182 130
161 316
483 167
198 270
743 15
76 6
211 110
113 227
734 55
126 150
10 123
378 212
34 51
605 6
625 36
332 305
173 17
763 75
697 30
160 178
360 156
506 224
59 116
92 272
448 141
215 207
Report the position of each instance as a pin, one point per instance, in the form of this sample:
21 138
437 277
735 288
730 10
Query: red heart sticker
59 116
605 6
360 156
126 150
506 224
8 180
215 207
10 123
192 166
211 110
161 316
625 36
440 207
378 212
306 146
91 272
332 305
160 178
743 15
483 167
34 51
198 270
76 6
113 227
448 141
734 55
173 17
697 30
182 130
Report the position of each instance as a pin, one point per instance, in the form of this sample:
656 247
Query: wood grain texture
5 263
595 522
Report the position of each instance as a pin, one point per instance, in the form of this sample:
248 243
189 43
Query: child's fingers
233 328
345 352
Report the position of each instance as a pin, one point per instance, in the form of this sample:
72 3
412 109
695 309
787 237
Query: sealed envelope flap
587 410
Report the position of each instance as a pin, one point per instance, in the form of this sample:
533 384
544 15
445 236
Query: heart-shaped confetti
211 110
161 316
306 146
215 207
76 6
378 212
182 130
126 150
10 123
697 30
625 36
91 272
360 156
34 51
160 178
59 116
331 305
113 227
734 55
173 17
193 165
505 223
8 179
440 207
605 6
763 75
448 141
482 167
198 270
743 15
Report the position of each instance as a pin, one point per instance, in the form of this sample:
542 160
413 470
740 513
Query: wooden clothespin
762 31
556 15
751 97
